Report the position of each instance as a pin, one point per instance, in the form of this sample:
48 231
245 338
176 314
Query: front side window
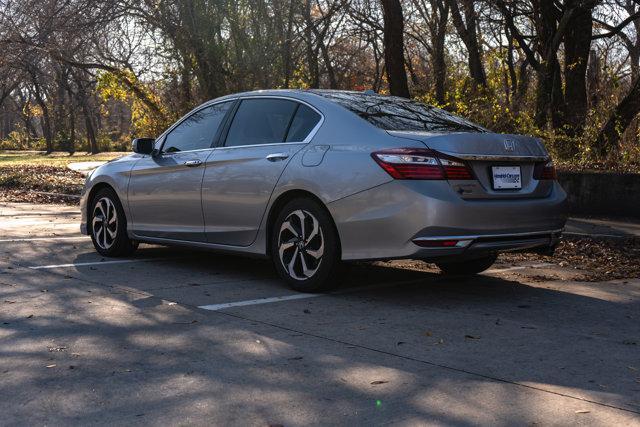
261 121
401 114
197 131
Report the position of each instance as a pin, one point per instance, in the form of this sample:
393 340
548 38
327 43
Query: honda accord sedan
312 178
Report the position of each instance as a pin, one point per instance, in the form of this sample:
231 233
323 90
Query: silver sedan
311 178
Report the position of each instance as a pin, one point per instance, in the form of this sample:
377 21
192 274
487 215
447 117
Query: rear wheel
467 267
305 247
109 225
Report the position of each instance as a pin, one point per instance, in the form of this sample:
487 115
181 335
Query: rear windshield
395 113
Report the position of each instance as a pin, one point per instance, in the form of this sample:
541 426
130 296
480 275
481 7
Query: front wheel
109 225
305 246
467 267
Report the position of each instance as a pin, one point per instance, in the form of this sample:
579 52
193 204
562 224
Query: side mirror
143 145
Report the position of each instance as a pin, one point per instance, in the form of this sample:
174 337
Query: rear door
164 189
262 137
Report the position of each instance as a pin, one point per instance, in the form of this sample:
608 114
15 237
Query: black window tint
260 121
395 113
303 122
198 130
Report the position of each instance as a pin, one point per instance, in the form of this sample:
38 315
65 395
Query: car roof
294 92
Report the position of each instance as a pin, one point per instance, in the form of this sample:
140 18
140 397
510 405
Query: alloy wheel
105 223
300 244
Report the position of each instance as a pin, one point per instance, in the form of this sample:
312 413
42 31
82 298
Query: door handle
193 163
276 157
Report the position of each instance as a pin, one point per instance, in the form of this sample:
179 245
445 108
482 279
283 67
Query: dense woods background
89 74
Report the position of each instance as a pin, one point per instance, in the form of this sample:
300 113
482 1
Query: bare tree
394 47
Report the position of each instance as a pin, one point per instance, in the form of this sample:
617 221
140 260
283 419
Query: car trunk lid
495 159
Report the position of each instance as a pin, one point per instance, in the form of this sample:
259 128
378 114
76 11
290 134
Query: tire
467 267
112 241
306 258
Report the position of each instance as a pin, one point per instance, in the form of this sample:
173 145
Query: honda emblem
509 145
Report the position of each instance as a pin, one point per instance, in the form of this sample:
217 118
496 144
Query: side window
261 121
303 122
198 130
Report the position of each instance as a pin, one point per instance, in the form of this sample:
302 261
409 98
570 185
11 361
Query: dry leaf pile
21 183
597 259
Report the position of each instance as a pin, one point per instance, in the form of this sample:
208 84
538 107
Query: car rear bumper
407 219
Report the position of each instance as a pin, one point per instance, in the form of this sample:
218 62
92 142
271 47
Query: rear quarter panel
345 168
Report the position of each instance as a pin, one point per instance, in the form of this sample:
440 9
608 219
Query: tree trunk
619 121
557 105
438 56
91 133
287 45
312 58
46 118
394 48
333 82
86 112
577 44
468 34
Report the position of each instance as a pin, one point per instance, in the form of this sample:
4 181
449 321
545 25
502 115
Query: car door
261 139
164 189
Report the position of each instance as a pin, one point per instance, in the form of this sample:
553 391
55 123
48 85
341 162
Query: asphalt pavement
173 336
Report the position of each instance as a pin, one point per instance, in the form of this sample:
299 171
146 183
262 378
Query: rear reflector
429 243
543 171
421 163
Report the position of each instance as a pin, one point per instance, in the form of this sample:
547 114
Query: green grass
17 158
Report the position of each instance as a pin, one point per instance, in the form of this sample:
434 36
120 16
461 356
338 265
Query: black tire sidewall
122 246
327 274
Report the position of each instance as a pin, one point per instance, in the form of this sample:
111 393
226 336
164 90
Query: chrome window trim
307 139
271 144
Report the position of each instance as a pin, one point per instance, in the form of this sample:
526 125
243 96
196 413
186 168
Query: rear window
395 113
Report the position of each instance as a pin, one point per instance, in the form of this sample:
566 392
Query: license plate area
506 177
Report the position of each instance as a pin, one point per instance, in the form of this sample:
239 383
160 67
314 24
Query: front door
164 189
263 136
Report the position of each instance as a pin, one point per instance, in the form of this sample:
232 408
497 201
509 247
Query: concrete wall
609 194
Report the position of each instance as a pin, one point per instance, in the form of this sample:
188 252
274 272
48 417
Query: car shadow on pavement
401 352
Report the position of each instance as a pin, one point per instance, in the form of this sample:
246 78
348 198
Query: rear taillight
421 163
544 171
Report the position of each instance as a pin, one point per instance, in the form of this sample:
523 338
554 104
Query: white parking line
82 264
615 236
216 307
37 239
520 267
